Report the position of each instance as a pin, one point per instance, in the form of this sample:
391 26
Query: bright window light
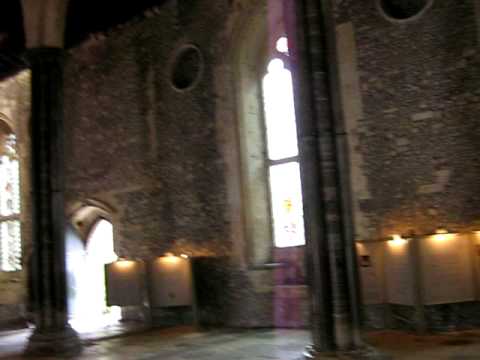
90 311
282 45
279 112
10 234
282 148
287 205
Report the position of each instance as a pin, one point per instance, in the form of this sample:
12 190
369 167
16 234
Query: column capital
44 22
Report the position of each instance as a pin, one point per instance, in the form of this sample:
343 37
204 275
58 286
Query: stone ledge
364 353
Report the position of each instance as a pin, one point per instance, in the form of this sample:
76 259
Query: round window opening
187 68
403 9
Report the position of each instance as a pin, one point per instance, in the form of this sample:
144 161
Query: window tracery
282 151
10 234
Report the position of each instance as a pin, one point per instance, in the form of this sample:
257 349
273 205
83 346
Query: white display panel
171 282
475 255
125 283
398 273
447 270
371 263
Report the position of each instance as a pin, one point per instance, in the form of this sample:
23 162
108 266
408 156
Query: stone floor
463 345
185 343
180 344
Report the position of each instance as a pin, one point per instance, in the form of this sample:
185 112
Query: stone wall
411 99
143 147
165 161
442 317
160 160
160 156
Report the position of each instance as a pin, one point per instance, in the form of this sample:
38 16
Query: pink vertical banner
276 23
290 26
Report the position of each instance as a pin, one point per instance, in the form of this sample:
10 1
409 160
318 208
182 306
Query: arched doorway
86 259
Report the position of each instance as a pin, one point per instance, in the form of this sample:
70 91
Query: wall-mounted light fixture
124 264
172 256
443 234
397 240
168 258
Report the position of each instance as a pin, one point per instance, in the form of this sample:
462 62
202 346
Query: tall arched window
269 190
10 236
282 150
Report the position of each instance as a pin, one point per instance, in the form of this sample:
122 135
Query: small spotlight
169 258
442 236
282 45
397 240
185 256
123 263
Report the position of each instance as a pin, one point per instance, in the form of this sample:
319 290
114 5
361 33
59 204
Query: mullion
283 161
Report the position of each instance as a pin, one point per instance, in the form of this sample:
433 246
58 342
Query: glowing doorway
85 267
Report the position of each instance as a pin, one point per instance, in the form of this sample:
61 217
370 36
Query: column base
363 353
310 353
65 342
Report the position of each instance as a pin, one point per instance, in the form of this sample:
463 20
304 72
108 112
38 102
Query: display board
399 273
475 252
447 269
171 282
371 262
125 283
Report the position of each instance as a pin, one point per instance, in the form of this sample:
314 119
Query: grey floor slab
188 344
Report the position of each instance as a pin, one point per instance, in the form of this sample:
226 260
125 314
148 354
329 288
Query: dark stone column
323 59
333 286
52 334
324 165
317 257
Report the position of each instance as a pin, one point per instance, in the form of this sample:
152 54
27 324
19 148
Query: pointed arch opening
90 246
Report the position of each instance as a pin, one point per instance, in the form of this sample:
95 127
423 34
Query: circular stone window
401 10
187 67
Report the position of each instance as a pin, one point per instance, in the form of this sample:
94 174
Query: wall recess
403 10
187 68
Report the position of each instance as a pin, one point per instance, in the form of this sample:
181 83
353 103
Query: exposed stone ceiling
84 17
